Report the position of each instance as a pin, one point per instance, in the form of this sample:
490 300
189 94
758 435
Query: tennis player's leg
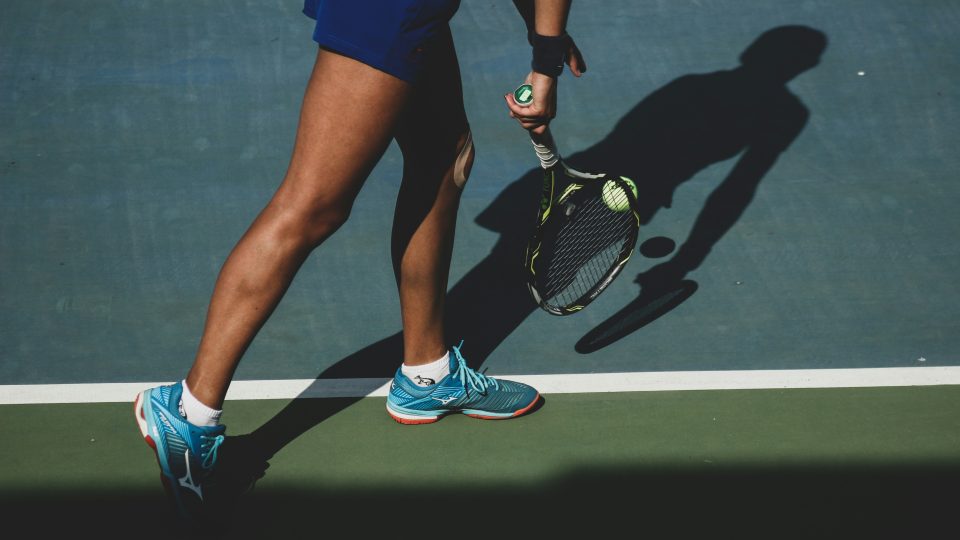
346 122
438 155
347 119
432 133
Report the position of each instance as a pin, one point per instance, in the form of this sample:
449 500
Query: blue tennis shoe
186 453
463 390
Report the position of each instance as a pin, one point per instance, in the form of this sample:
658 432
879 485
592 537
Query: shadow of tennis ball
657 247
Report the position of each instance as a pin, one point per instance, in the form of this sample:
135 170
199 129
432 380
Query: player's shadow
684 127
666 139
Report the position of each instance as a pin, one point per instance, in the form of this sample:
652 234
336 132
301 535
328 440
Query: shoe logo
424 381
445 401
166 421
187 480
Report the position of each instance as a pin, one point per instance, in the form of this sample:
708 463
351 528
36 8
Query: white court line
547 384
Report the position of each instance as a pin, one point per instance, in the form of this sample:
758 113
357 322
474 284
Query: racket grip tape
546 148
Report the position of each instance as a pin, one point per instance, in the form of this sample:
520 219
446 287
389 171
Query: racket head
581 240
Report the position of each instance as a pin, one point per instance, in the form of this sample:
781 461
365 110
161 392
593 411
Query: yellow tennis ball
614 196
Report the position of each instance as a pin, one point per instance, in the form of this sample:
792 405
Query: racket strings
574 278
586 249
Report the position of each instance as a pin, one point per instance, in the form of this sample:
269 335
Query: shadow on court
665 140
681 129
836 501
652 304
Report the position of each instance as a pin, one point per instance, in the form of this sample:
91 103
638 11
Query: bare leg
431 134
347 119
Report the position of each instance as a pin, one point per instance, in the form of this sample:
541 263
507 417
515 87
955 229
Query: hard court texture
808 205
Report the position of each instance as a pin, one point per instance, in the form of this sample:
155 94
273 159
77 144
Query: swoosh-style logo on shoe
187 480
445 400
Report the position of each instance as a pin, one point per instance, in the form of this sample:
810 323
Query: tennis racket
586 228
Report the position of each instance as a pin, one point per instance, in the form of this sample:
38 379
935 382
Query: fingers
537 115
575 60
528 116
541 111
531 115
543 108
516 110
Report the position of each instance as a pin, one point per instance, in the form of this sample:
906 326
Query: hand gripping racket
586 228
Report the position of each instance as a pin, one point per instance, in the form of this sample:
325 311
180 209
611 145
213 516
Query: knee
439 155
306 226
324 221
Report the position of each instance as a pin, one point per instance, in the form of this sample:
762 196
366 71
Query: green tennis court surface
138 140
875 460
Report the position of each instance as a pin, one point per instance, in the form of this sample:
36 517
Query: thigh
348 117
434 122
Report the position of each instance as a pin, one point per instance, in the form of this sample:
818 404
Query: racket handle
543 145
546 148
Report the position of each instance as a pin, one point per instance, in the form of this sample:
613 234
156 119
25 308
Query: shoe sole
409 419
142 424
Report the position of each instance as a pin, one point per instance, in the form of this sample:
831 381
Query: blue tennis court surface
140 139
813 224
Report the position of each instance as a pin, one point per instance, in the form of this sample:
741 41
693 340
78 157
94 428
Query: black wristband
549 53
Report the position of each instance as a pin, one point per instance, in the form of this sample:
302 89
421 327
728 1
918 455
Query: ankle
428 374
195 411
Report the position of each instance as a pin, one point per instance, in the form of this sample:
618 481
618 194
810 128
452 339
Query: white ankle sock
196 412
428 374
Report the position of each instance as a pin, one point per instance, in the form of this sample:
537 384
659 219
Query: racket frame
553 166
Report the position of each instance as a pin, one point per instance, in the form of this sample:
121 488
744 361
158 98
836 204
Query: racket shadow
648 307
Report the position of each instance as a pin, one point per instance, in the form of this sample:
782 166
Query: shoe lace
477 381
208 449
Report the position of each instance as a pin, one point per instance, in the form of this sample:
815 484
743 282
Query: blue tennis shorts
394 36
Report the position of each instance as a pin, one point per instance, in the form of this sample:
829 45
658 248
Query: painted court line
547 384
